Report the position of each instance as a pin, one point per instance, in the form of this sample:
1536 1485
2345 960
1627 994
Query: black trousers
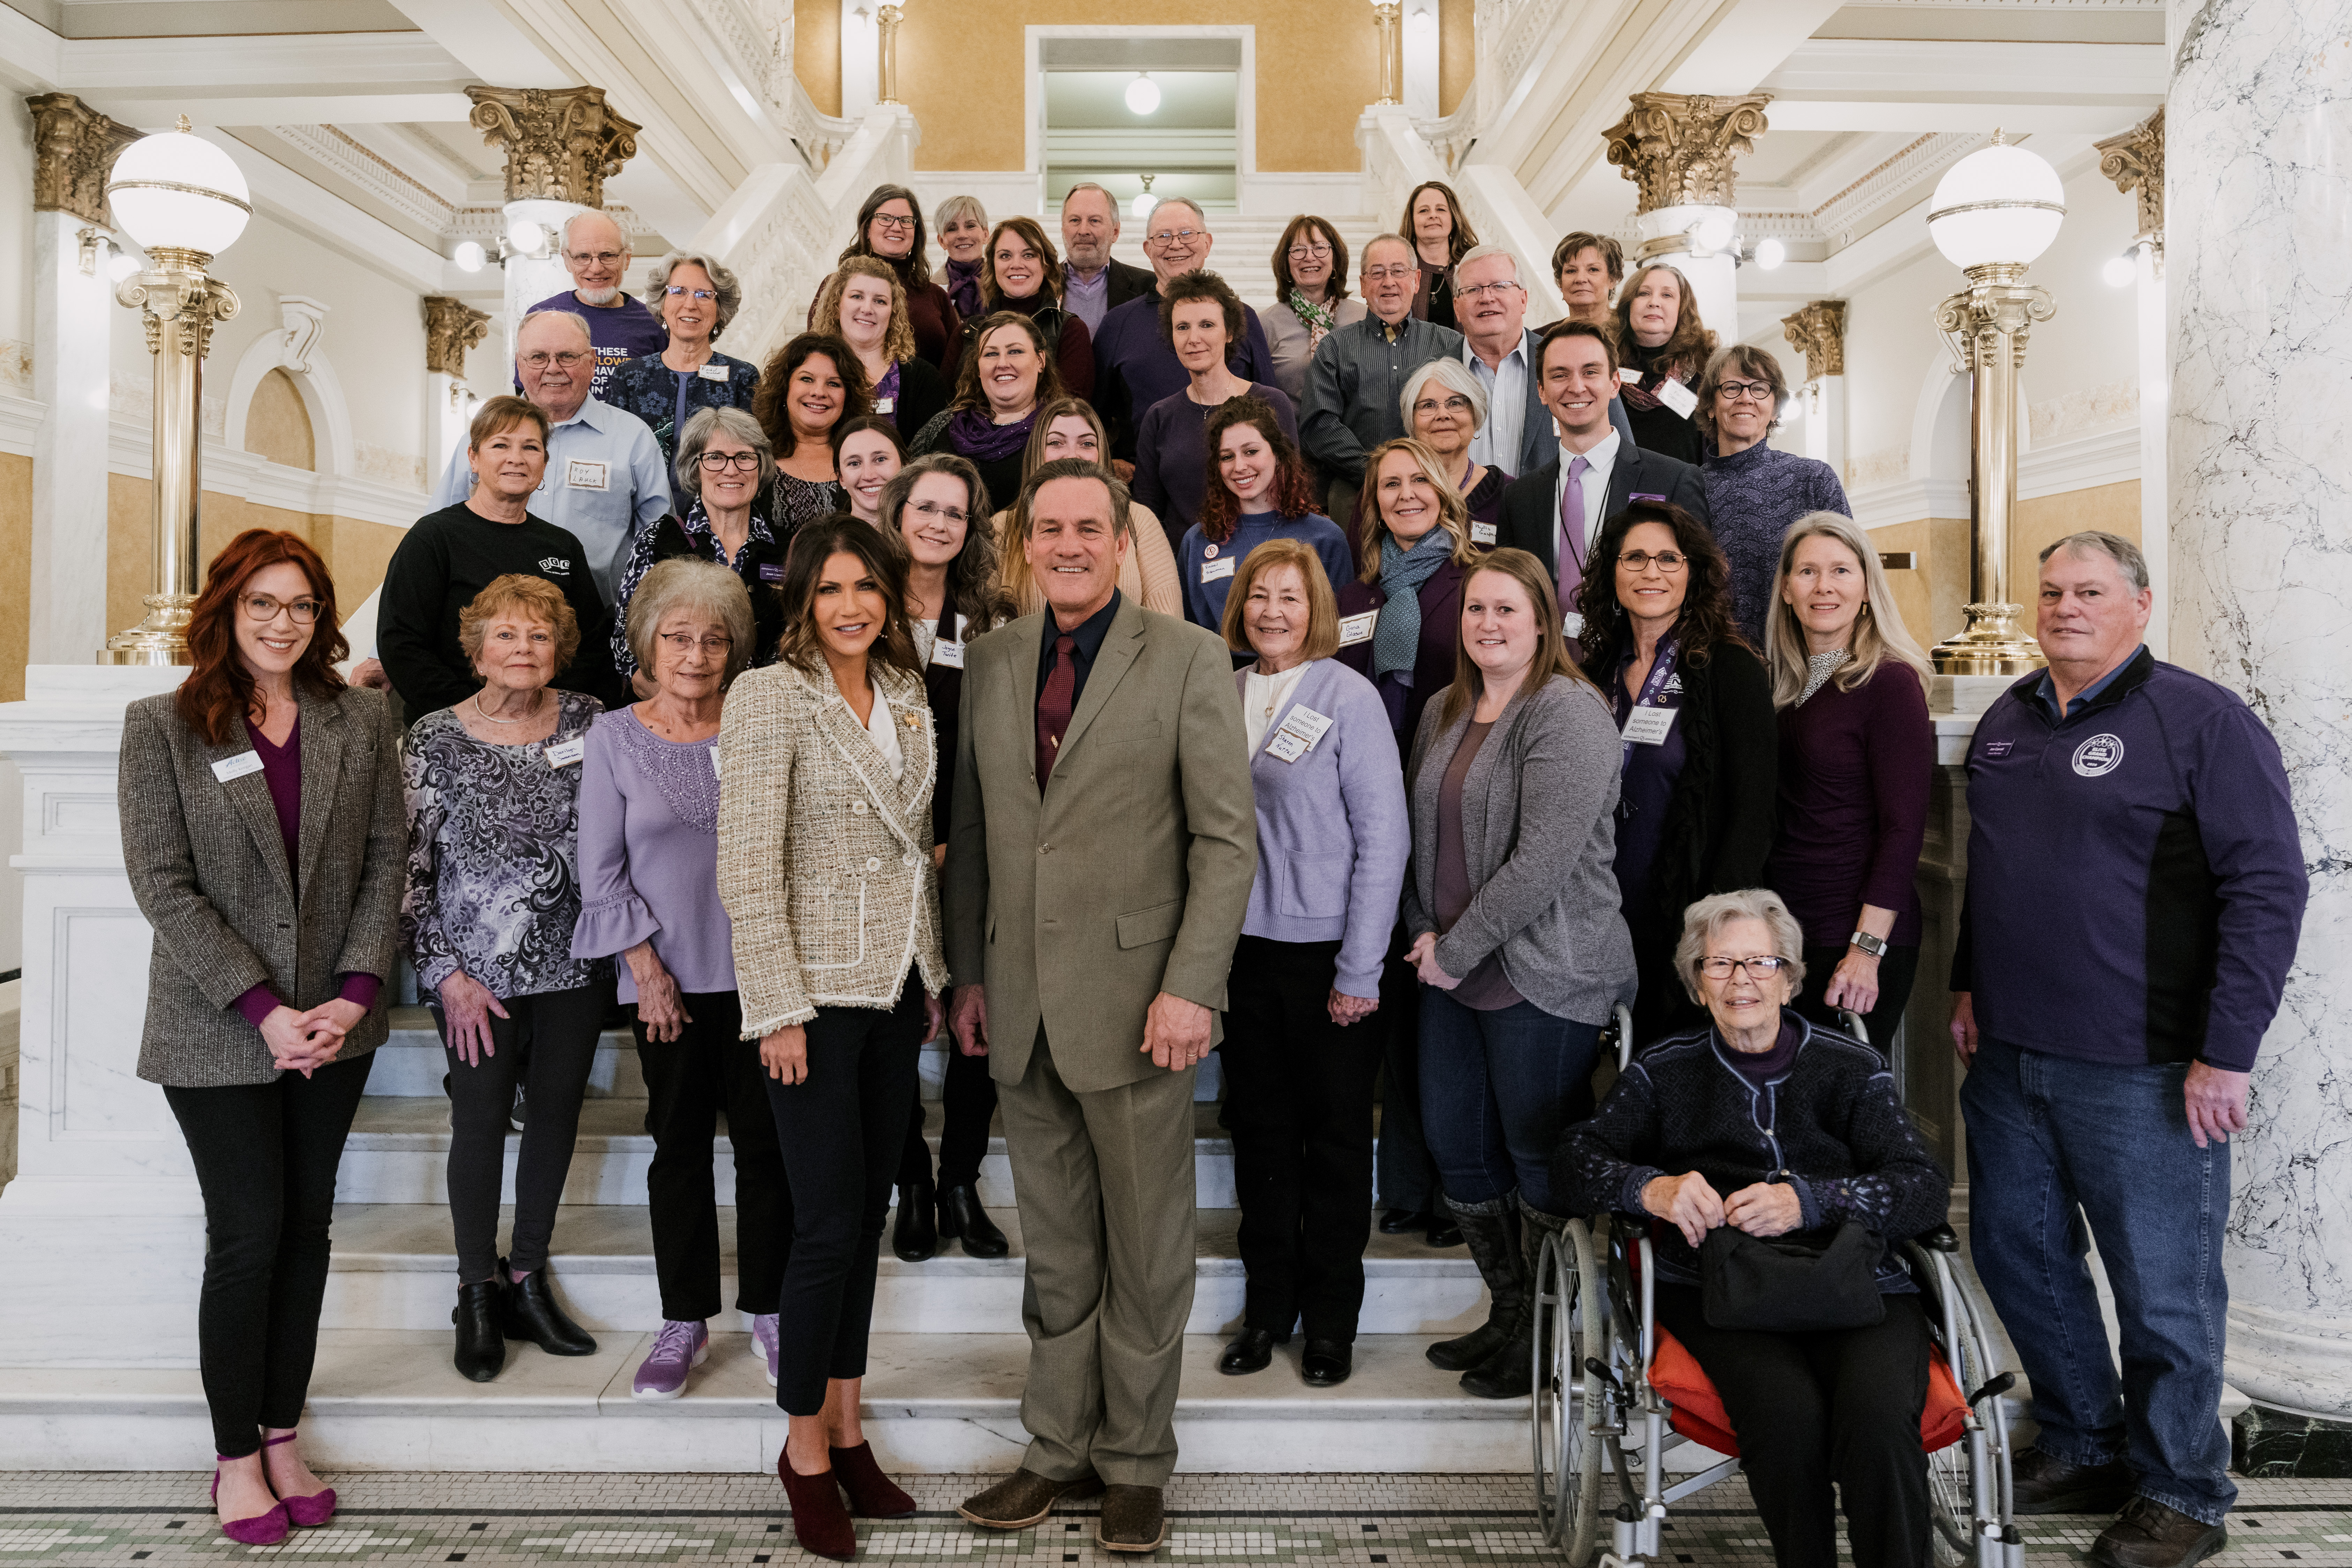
1812 1409
967 1105
1407 1176
266 1156
547 1043
688 1081
842 1130
1898 968
1298 1103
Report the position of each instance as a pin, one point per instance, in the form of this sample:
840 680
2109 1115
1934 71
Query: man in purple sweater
2135 890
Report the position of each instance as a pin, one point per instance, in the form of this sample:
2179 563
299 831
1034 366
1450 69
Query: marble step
393 1268
398 1152
939 1403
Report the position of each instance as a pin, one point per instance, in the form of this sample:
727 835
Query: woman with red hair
1257 489
263 833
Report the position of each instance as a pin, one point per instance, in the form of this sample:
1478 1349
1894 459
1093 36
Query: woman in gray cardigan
1331 845
1522 952
262 835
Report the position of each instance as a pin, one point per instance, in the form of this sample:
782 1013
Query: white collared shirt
1600 463
1496 445
883 731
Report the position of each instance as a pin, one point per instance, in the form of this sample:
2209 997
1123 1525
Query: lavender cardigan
649 855
1332 832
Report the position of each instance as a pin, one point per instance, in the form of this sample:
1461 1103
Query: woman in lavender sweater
1332 839
1754 491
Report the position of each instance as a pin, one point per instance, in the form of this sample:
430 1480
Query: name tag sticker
1626 373
1649 726
1213 570
712 373
238 767
1354 630
1572 624
563 753
947 655
1301 727
1678 398
1482 533
771 572
582 474
886 406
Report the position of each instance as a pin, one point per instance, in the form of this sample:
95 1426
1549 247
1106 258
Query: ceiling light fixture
1142 94
470 256
1141 206
2121 270
1770 253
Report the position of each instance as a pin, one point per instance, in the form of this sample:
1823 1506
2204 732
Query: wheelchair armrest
1939 1238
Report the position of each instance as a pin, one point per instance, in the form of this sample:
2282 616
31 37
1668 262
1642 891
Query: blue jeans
2053 1143
1497 1088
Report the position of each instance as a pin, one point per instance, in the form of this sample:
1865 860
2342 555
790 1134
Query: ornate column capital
1677 147
1818 331
2135 162
451 327
559 142
74 149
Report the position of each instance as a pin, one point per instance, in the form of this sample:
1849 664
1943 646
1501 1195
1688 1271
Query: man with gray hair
1135 365
2136 891
1094 281
1490 306
1356 378
595 251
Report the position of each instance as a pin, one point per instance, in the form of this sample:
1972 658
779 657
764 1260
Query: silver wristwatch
1874 946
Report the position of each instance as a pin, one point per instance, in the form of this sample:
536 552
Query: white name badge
1572 624
582 474
1354 630
1482 533
886 406
563 753
1213 571
1301 727
1627 373
712 373
947 655
1678 398
1649 726
238 767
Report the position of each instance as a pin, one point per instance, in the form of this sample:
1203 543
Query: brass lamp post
184 201
1388 15
1995 212
886 17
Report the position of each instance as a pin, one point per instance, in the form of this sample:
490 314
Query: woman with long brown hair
1022 272
866 306
890 229
262 835
1257 489
1662 344
812 385
1440 235
1069 427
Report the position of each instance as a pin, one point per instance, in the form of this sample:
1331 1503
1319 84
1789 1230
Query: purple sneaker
763 1343
677 1349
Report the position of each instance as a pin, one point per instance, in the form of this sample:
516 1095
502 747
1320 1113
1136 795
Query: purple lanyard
1661 669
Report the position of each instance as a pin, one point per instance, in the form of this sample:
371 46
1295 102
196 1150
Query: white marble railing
1451 137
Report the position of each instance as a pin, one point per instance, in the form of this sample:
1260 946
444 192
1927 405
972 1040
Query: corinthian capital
1677 147
1818 331
2135 162
74 149
559 142
451 327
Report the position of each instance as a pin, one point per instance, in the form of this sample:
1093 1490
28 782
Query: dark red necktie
1053 707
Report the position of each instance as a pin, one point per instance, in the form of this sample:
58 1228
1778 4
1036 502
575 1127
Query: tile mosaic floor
477 1520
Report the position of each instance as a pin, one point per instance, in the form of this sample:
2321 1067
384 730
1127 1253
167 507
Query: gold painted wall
817 54
1317 66
1457 60
356 552
1932 596
277 426
15 574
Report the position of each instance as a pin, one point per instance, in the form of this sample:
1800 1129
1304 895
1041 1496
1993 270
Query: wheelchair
1614 1394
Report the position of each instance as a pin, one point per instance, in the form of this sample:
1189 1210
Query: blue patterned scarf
1396 636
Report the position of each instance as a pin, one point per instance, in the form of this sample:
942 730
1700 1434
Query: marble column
1677 148
561 145
1818 331
451 327
2260 292
73 310
2135 162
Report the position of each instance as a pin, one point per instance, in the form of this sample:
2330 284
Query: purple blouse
649 855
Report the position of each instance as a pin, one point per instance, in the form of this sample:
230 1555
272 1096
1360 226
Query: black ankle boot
1510 1373
481 1348
960 1216
532 1314
1493 1238
916 1236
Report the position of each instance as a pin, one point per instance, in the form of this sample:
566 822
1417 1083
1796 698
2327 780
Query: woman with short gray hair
964 235
695 297
1755 490
726 466
1444 408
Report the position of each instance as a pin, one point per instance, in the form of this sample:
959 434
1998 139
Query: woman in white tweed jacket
826 760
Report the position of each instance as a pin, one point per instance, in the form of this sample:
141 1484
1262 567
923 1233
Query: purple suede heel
262 1529
311 1511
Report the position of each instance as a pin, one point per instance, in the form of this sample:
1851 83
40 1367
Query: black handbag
1789 1285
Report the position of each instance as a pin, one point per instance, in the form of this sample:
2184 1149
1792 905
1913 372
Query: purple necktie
1571 533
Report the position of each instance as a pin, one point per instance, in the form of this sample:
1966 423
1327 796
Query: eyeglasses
1753 391
1458 404
1310 252
885 220
262 607
686 642
926 509
601 257
540 361
1473 290
1402 270
1639 561
716 462
675 289
1176 236
1763 968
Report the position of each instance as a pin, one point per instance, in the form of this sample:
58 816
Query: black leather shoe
481 1348
532 1313
1250 1351
1325 1362
960 1216
1396 1222
1444 1230
914 1237
2151 1535
2045 1484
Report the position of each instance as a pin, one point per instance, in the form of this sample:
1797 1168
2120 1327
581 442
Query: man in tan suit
1099 863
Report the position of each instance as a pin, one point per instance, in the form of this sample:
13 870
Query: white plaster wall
15 245
1890 343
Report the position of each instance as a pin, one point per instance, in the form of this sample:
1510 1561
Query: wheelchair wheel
1953 1539
1569 1319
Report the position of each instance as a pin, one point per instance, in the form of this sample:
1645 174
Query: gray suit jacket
207 864
1131 876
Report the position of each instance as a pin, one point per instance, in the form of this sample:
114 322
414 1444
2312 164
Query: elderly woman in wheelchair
1779 1174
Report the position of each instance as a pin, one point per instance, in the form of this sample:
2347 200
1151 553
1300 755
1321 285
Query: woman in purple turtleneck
1754 491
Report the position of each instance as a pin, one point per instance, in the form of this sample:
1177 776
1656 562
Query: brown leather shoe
2149 1535
1132 1519
2046 1484
1023 1498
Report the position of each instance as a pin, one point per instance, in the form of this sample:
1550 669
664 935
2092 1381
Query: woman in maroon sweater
1857 752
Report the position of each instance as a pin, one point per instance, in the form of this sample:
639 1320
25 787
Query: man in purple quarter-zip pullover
2135 887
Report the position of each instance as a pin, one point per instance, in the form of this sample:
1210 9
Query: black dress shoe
481 1348
962 1215
1327 1361
2151 1535
532 1313
1250 1351
2046 1484
914 1237
1396 1222
1444 1230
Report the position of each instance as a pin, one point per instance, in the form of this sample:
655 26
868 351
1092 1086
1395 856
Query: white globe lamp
178 192
1142 94
1999 206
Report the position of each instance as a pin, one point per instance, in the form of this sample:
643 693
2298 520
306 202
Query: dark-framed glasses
719 462
262 607
1751 391
1666 561
1716 967
1310 252
887 220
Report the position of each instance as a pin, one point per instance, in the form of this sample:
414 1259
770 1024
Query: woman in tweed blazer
825 762
263 835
